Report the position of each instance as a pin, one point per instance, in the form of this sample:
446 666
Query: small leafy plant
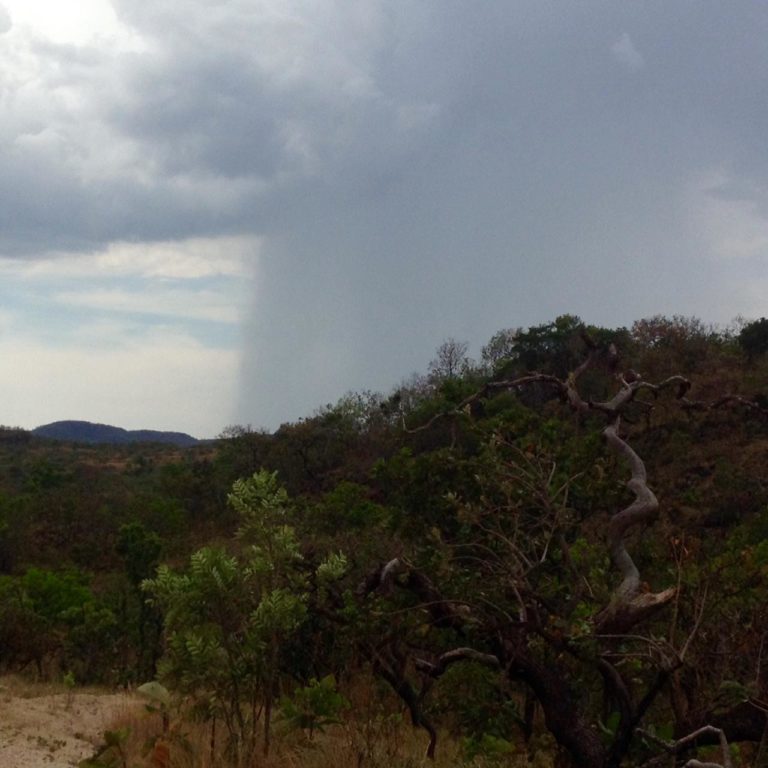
315 706
111 754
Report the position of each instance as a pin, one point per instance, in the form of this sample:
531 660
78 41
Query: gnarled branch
629 605
681 745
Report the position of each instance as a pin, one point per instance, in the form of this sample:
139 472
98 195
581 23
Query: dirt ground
44 729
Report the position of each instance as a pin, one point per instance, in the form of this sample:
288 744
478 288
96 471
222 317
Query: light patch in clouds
74 23
626 54
188 259
157 381
134 334
179 303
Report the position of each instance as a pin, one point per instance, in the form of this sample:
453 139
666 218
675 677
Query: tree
553 347
451 361
753 338
53 619
667 344
140 550
229 616
500 349
515 586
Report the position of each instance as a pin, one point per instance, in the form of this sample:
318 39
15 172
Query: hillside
87 432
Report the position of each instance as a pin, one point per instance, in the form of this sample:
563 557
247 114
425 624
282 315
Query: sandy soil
55 730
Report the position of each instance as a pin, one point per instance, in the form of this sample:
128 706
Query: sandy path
55 731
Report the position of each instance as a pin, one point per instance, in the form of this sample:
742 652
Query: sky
236 211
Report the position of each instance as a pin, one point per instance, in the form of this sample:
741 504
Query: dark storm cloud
551 178
418 170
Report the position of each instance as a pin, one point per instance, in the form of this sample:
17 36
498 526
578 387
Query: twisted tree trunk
629 605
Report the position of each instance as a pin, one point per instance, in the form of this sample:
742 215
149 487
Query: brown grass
380 741
21 687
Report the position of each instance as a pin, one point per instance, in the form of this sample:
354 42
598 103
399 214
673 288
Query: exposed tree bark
629 605
715 736
441 664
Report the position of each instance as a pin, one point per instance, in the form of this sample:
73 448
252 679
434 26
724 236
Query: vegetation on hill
87 432
564 543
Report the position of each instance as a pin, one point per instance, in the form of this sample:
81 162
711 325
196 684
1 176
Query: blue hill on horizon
88 432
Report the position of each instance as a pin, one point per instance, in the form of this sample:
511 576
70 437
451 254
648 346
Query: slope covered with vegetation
88 432
564 543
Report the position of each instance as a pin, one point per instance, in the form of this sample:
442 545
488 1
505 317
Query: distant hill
87 432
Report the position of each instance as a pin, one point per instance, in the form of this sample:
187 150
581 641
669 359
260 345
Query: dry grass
361 741
375 733
20 687
350 745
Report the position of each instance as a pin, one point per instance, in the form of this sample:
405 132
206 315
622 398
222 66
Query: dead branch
629 605
642 508
443 612
702 406
381 578
681 745
440 665
629 389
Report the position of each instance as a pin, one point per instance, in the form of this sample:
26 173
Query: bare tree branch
440 665
629 389
629 605
700 405
676 747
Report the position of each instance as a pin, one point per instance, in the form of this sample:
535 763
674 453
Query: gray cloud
417 170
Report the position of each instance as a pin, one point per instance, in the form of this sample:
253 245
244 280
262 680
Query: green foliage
48 616
228 617
346 507
111 754
478 705
753 338
140 549
55 596
500 350
332 568
212 653
552 347
315 706
494 750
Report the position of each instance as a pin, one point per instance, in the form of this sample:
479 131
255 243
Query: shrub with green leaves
315 706
228 615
